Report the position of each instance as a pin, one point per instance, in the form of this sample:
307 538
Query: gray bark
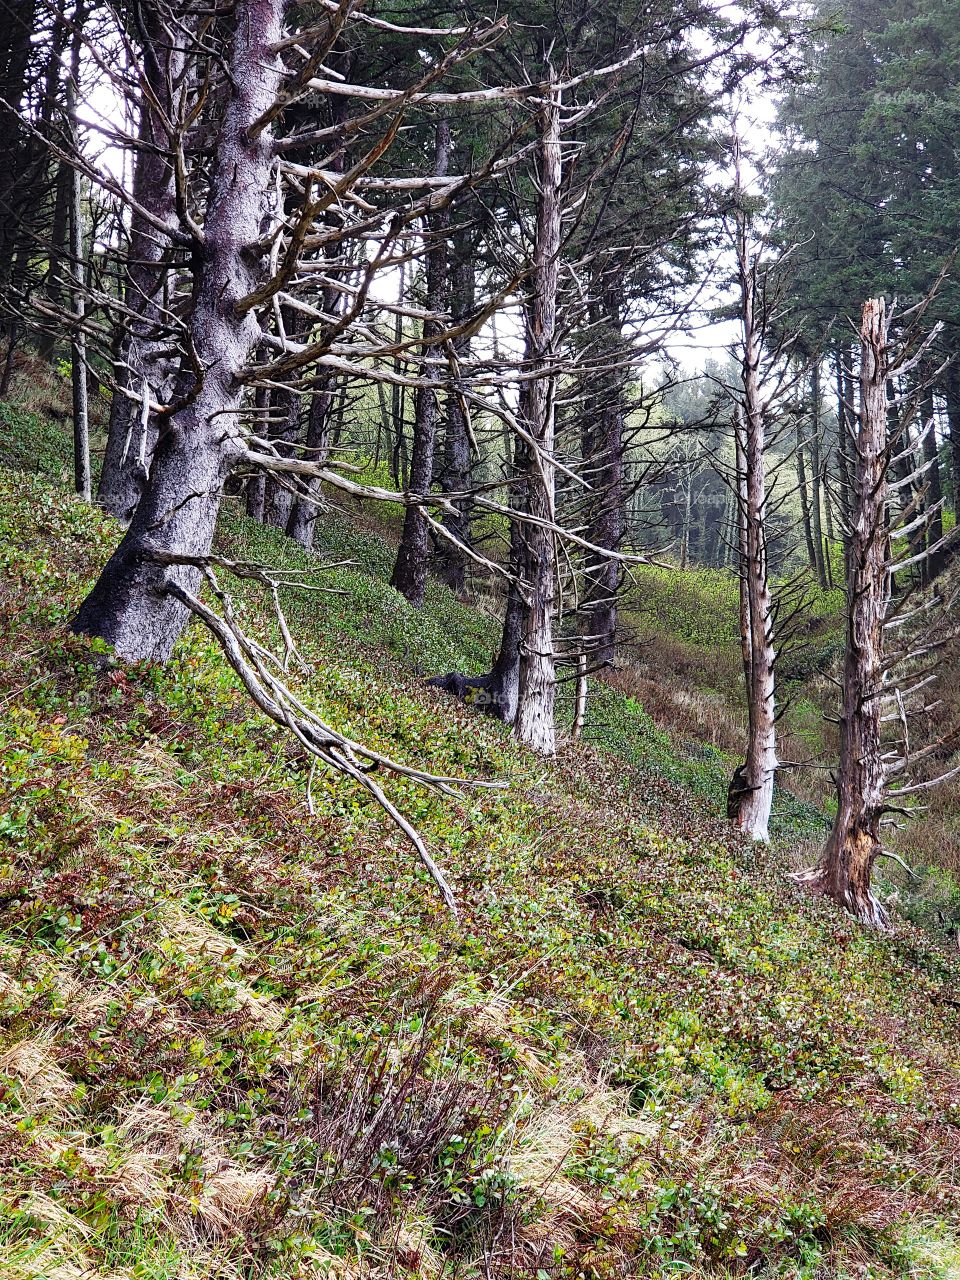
854 843
450 564
816 474
307 505
78 344
410 570
144 371
603 451
952 395
534 724
130 606
934 563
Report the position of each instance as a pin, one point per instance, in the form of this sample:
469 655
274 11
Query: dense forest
479 715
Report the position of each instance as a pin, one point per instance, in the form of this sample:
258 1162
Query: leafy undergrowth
238 1040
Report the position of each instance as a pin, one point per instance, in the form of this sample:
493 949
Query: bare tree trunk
78 350
845 429
59 247
410 570
580 699
504 680
804 493
934 563
746 644
534 724
854 843
455 475
78 342
130 606
398 453
59 230
952 395
497 693
816 473
145 372
306 506
16 33
603 573
750 799
603 454
831 531
283 431
307 503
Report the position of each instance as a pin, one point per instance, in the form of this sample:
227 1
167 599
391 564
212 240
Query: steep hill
241 1040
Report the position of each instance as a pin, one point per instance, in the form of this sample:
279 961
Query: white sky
690 348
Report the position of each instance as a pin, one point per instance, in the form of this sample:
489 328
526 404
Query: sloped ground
237 1040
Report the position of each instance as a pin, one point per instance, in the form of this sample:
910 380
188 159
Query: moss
240 1039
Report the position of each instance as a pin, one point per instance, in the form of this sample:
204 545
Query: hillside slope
238 1040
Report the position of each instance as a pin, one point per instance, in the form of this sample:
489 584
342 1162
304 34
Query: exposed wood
854 843
534 724
751 792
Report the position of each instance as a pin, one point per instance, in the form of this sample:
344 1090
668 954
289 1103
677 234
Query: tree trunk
750 798
398 452
534 724
199 446
59 230
282 431
306 506
450 564
603 452
497 694
410 570
934 564
78 351
854 843
804 493
16 33
580 698
145 373
78 341
816 473
845 430
952 395
307 502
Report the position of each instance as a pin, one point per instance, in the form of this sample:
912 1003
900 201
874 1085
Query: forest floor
238 1040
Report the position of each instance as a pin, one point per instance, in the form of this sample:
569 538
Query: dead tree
145 369
449 560
750 798
259 228
78 346
871 700
604 449
534 724
410 570
132 606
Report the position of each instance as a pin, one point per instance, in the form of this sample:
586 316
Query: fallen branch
252 663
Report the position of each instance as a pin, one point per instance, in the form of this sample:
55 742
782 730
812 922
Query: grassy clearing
241 1041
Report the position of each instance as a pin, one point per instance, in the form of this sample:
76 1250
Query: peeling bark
854 843
534 723
750 798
